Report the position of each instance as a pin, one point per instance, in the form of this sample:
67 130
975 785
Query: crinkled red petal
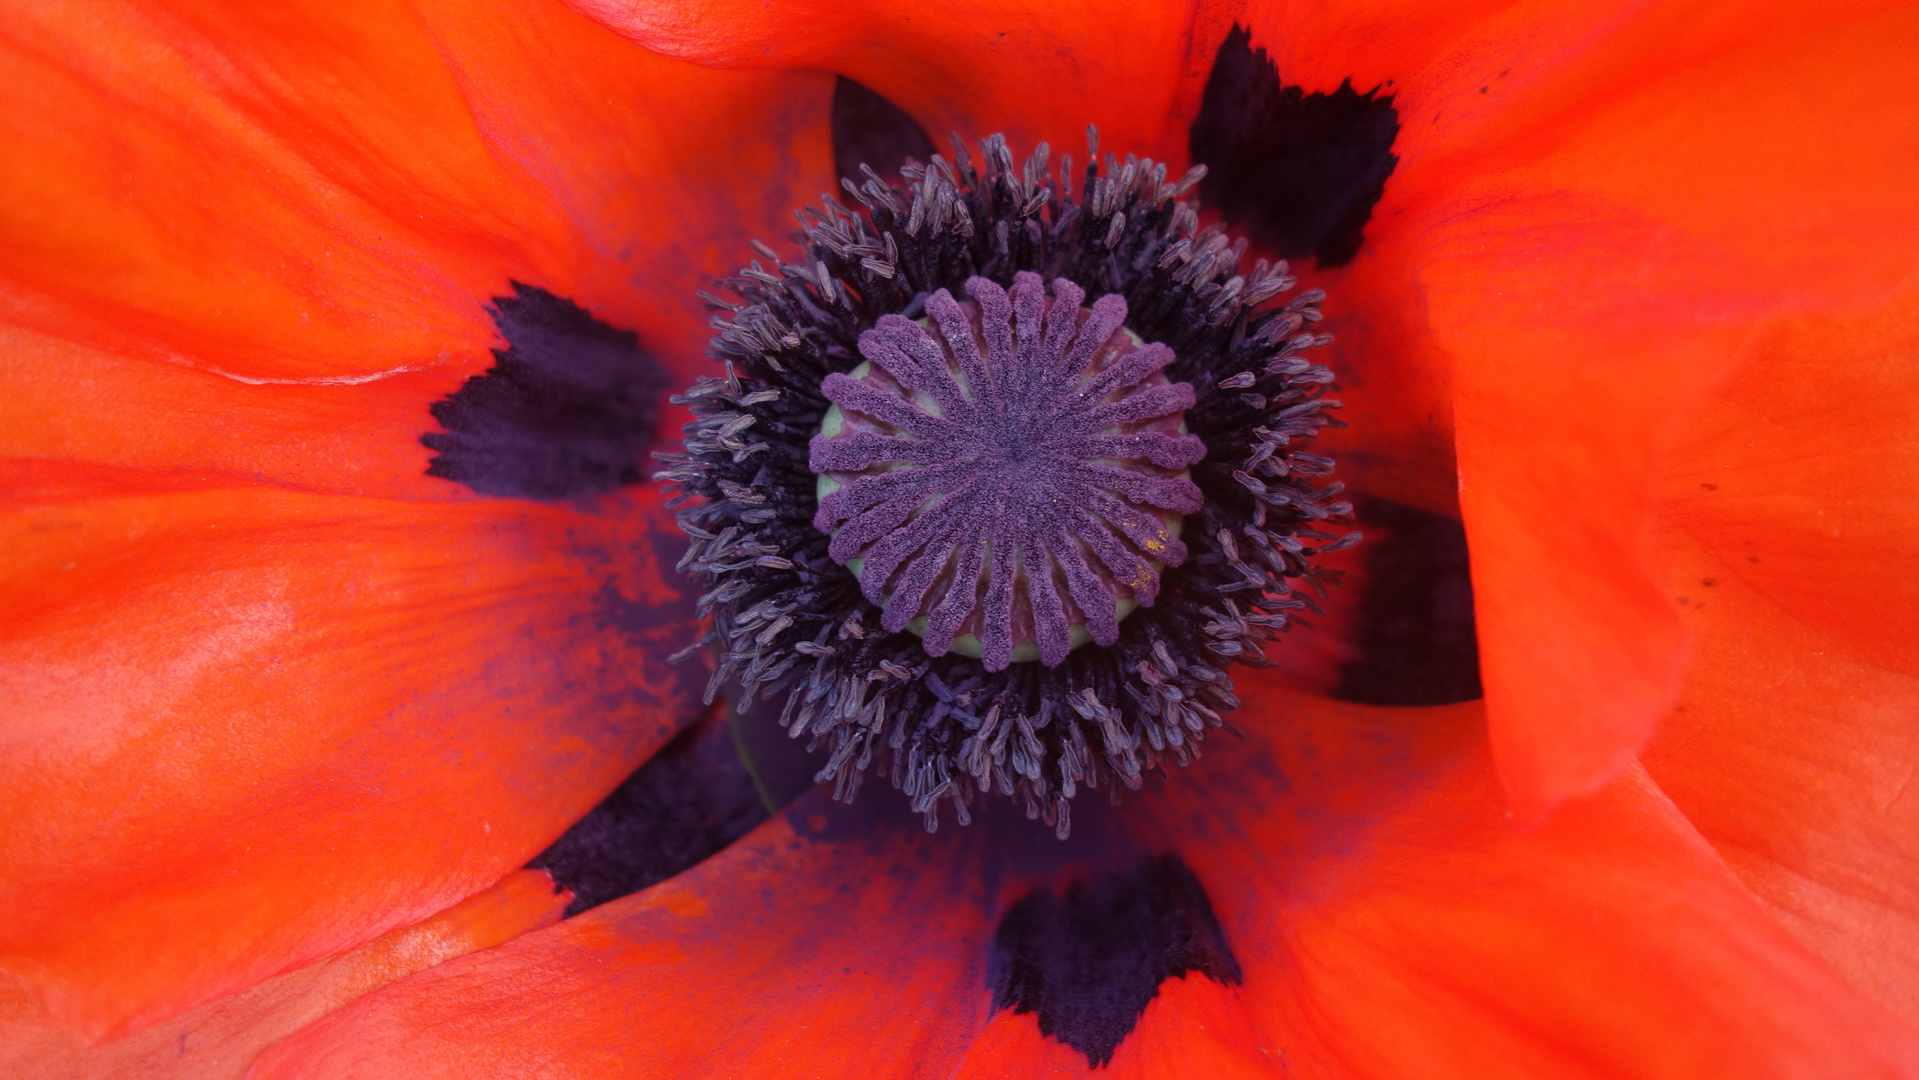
220 1039
247 728
1791 515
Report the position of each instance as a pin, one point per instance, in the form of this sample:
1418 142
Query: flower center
919 425
1006 477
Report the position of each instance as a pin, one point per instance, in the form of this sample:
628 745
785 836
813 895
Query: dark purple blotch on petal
872 131
707 788
1416 636
1299 172
1088 963
568 408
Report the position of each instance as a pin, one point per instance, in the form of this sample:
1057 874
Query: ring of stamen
791 621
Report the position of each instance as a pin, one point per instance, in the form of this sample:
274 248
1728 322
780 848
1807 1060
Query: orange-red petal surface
249 727
308 192
1589 288
221 1039
1608 942
665 168
775 958
245 729
72 406
1791 521
1794 754
1801 468
1388 918
262 241
982 67
257 191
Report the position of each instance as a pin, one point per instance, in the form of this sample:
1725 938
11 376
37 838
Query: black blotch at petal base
687 803
870 130
1089 962
1416 635
568 408
1297 172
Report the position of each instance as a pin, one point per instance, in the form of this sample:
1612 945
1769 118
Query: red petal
999 65
1389 920
1587 282
159 425
1794 754
1589 288
312 193
1792 511
748 965
1195 1027
1610 942
229 194
1801 469
665 168
253 244
323 201
1394 381
221 1038
248 729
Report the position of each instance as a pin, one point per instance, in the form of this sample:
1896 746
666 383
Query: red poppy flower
291 695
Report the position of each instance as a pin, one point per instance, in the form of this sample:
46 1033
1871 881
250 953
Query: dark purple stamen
1011 471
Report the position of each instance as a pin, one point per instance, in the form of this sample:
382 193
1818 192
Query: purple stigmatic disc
1014 470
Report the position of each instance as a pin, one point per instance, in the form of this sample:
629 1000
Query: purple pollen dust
1012 471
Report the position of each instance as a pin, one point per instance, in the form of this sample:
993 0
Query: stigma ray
1010 486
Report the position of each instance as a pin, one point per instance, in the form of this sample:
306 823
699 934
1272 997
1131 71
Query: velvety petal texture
999 65
616 185
1583 291
269 689
1385 916
1791 511
221 1039
1588 292
386 167
247 728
